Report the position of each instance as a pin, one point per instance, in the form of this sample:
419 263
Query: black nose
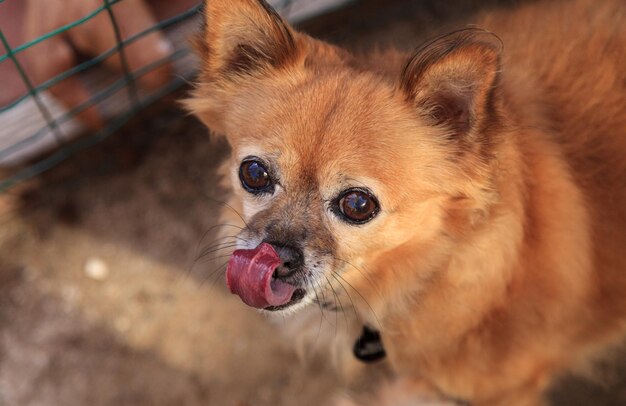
292 260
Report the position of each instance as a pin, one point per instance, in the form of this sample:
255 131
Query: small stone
96 269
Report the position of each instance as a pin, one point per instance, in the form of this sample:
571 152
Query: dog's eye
254 177
357 206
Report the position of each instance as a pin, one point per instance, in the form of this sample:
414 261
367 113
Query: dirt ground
99 301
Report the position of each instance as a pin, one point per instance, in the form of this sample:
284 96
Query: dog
469 198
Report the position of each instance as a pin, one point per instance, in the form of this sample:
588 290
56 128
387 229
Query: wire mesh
137 100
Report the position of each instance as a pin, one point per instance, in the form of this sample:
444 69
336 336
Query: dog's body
492 259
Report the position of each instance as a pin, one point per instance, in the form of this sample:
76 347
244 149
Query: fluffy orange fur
496 263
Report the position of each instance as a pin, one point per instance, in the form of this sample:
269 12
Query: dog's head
355 173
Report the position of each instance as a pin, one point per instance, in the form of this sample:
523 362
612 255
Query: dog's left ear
451 80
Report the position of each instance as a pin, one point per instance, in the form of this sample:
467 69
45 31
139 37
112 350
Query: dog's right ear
243 37
452 80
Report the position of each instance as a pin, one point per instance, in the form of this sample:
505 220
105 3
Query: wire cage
37 131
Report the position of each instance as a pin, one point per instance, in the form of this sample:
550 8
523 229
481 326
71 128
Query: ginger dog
470 196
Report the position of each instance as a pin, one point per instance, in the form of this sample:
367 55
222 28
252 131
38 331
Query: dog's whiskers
189 270
213 275
362 272
337 276
338 301
223 240
230 207
322 317
216 274
218 247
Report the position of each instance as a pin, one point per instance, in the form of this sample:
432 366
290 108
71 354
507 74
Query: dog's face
343 170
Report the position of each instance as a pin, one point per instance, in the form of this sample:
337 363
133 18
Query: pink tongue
249 275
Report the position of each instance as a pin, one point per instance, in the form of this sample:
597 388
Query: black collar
369 346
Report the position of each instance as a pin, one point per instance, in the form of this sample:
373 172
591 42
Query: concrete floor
142 326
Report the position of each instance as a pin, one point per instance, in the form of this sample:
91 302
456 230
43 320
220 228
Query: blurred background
108 196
